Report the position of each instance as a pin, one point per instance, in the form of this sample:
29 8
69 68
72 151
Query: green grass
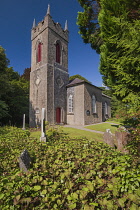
113 121
74 133
103 126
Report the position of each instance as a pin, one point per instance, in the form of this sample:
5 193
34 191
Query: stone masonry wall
108 101
91 118
77 117
44 91
61 79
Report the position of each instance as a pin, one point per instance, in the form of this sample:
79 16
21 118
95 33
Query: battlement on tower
48 23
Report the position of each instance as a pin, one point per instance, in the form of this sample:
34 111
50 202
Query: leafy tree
119 23
79 77
120 51
18 100
3 110
4 85
88 23
26 74
3 61
14 93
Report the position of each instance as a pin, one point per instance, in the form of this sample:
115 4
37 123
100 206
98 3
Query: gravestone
122 139
24 161
23 128
43 132
108 138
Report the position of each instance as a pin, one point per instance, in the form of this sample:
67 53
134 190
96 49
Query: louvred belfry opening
58 54
39 53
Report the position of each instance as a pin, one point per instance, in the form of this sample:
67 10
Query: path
80 127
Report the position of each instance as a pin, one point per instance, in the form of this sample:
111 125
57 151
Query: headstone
23 128
43 132
108 138
122 139
24 161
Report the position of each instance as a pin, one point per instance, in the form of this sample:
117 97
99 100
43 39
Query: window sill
70 113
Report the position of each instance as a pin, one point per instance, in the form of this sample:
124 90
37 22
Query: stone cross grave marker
24 161
43 132
108 138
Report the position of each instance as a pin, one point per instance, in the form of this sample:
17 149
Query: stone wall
48 78
91 118
38 94
106 99
61 79
77 117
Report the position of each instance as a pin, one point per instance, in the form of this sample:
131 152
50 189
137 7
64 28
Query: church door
58 115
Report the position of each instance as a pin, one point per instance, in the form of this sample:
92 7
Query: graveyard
64 172
59 147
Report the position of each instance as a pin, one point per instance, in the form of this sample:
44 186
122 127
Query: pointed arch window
70 104
93 104
106 108
39 49
58 52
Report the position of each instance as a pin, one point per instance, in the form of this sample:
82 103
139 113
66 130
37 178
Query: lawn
103 126
74 133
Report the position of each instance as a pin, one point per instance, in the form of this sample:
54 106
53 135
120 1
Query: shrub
68 174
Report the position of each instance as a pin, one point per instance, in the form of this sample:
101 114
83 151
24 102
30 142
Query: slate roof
78 81
75 81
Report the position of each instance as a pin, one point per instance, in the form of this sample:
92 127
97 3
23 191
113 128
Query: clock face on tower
59 81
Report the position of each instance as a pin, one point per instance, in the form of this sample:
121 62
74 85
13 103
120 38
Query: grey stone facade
49 82
83 114
48 78
106 110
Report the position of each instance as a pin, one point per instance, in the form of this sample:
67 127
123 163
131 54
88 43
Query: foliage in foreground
133 123
66 174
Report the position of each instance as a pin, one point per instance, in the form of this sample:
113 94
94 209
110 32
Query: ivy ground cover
66 174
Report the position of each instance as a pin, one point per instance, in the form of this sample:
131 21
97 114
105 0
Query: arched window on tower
58 52
93 104
39 52
70 104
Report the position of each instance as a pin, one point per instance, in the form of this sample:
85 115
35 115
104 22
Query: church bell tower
49 71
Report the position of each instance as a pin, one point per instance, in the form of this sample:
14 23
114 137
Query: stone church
66 102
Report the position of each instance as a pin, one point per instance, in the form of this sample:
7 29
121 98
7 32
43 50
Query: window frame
106 108
70 104
94 106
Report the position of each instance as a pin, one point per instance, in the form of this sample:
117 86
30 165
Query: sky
16 20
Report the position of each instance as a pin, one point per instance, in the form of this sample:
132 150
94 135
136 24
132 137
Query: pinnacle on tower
48 10
34 24
66 26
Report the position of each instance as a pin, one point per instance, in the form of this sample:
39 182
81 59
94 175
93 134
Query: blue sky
16 19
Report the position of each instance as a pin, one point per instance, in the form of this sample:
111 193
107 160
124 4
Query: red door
58 114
